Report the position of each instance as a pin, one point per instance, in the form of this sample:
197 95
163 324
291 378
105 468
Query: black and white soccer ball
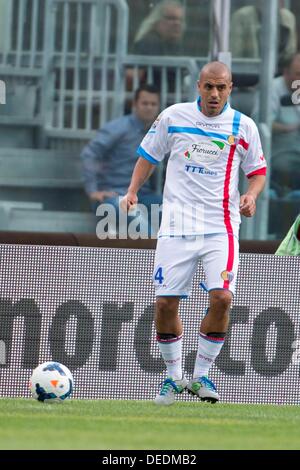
51 382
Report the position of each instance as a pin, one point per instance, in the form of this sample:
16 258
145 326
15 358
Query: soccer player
208 141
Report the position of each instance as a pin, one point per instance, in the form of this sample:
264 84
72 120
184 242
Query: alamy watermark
296 94
2 92
177 219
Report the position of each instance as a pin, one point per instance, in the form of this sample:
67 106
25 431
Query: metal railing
174 76
74 52
90 78
78 48
86 66
23 40
24 57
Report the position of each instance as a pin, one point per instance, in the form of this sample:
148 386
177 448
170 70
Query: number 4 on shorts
159 276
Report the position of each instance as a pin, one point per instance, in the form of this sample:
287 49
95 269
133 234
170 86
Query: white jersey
201 193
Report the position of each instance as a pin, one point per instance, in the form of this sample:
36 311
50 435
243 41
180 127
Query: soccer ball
51 382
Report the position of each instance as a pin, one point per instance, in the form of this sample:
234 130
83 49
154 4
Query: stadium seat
8 207
21 120
39 168
33 220
51 177
293 195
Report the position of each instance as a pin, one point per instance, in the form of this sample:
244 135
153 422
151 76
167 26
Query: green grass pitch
113 424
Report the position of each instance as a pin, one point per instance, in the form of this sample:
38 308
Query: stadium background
64 64
68 302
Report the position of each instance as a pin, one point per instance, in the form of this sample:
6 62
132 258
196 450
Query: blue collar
200 107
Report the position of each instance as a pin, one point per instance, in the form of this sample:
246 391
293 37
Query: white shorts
176 261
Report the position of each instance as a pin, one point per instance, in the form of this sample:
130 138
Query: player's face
146 107
214 92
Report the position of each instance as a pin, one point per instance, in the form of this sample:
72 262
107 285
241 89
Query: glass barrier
70 67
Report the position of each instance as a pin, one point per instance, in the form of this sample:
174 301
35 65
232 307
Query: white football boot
170 388
203 388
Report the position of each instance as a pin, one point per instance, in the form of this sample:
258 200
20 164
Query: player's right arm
142 171
152 151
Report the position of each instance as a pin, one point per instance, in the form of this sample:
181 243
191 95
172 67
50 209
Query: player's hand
129 201
247 205
101 195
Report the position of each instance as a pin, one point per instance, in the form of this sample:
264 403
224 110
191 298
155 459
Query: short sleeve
254 162
156 143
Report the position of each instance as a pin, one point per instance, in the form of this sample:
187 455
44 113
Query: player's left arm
254 166
248 200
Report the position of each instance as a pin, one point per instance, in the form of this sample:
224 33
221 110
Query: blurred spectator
286 129
246 33
295 8
109 159
290 245
161 32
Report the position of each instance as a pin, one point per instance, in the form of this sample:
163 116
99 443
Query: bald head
214 86
216 70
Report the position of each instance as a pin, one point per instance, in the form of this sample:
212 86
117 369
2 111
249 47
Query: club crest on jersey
231 139
205 151
227 275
